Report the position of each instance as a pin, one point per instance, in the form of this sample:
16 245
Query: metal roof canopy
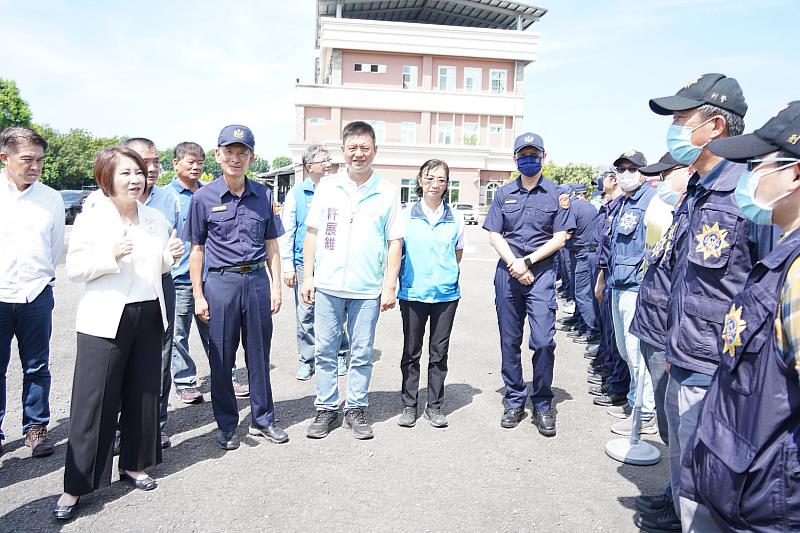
494 14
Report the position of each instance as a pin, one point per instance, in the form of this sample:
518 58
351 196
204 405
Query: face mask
745 195
667 195
629 181
529 165
679 144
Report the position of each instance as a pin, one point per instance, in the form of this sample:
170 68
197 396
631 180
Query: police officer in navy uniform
527 227
744 456
719 252
566 262
233 231
582 248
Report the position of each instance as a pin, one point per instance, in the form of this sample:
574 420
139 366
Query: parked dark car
73 202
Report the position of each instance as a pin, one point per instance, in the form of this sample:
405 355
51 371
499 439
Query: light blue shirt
180 272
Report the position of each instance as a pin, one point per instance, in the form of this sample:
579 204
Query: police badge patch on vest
732 328
711 241
628 221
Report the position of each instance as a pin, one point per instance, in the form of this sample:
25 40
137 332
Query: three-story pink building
441 79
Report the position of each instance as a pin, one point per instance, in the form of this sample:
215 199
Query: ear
4 157
217 154
175 162
720 126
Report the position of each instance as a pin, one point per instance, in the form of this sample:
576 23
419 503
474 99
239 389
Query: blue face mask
667 195
529 165
679 144
745 195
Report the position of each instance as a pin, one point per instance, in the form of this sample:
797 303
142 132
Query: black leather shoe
598 390
147 483
227 440
65 512
607 400
591 339
663 520
648 504
272 433
512 417
545 421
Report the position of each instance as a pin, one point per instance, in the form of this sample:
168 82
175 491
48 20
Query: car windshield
71 196
464 207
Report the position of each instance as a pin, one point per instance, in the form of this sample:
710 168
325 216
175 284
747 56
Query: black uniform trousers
119 375
415 317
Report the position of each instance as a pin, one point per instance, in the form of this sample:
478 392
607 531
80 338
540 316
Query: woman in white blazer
119 249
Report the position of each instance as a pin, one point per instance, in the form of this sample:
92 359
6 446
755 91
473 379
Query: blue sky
177 71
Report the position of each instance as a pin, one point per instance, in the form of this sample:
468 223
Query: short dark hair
358 127
12 138
105 165
138 141
188 148
734 122
428 165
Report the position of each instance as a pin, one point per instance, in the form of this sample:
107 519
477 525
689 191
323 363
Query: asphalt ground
472 476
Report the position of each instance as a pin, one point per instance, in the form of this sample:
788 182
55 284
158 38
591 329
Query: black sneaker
545 421
648 504
607 400
512 416
663 520
355 420
598 390
322 424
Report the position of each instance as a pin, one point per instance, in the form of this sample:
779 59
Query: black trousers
120 375
415 317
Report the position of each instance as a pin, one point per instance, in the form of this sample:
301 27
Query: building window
366 67
444 132
410 76
408 132
491 189
472 79
453 190
470 133
497 78
447 78
494 128
380 130
408 191
316 121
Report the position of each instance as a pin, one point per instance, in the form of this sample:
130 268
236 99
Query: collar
520 188
369 186
178 186
782 251
420 210
638 192
10 187
308 185
723 177
220 187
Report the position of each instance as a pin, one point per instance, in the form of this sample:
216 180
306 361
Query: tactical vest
626 262
302 201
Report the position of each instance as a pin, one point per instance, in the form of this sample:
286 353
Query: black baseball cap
781 132
634 156
715 89
667 162
528 139
236 133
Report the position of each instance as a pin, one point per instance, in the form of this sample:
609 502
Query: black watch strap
528 262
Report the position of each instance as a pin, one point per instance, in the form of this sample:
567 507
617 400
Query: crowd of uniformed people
681 275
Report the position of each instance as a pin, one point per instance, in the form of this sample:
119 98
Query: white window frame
408 132
504 78
445 129
412 72
368 68
496 128
454 191
380 130
476 127
476 74
451 80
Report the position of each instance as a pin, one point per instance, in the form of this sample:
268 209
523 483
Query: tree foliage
14 111
165 159
70 157
572 173
281 161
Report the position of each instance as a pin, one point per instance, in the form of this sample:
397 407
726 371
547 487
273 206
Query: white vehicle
468 211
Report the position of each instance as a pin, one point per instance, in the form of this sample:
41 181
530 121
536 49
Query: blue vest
744 462
716 260
429 270
303 194
626 262
652 308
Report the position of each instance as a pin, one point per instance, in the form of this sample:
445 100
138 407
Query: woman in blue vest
744 464
429 289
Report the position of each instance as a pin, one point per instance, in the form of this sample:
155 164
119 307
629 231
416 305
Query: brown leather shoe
37 440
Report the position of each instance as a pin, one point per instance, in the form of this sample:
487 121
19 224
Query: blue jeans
184 371
331 314
655 359
31 323
623 307
304 314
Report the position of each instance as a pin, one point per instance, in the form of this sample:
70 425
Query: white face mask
629 181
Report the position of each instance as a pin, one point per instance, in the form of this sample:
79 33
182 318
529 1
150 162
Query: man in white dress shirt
32 238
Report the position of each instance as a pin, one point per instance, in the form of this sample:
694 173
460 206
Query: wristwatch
528 262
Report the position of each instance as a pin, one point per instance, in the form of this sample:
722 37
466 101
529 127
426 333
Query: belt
240 269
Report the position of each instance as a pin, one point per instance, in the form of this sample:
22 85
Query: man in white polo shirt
352 257
32 238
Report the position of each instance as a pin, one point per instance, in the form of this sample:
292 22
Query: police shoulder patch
563 201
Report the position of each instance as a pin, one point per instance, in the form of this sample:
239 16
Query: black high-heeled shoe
65 512
147 483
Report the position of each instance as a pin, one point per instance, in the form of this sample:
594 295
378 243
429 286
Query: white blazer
91 259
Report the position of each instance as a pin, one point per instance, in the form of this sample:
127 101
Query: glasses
620 170
323 161
427 178
752 164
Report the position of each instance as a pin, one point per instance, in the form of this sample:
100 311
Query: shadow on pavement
647 479
15 469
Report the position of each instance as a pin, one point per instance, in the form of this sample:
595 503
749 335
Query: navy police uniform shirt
232 228
527 218
585 218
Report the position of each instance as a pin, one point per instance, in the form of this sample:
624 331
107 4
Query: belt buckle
244 269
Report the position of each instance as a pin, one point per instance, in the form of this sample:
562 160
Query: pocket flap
706 308
732 449
654 297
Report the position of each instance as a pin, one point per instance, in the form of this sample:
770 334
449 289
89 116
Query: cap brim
540 148
742 147
252 148
669 104
656 168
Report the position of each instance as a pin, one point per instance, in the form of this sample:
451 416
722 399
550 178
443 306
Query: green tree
258 166
281 161
14 111
165 159
211 165
572 173
165 177
70 157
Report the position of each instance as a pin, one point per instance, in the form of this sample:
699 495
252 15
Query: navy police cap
528 139
781 132
715 89
236 133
